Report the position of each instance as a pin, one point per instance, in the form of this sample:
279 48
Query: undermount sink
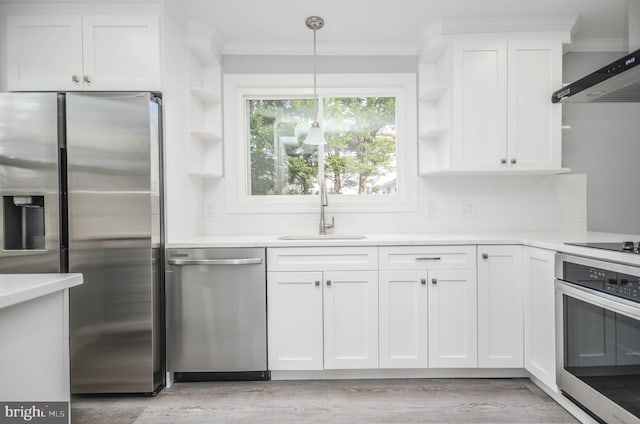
324 237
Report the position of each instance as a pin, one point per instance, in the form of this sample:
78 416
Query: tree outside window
360 154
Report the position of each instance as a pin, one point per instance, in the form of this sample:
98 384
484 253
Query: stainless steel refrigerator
81 191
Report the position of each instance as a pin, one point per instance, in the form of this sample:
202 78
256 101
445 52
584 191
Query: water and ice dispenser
23 221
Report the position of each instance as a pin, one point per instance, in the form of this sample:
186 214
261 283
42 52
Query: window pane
360 155
280 162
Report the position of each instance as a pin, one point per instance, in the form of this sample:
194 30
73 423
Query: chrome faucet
324 201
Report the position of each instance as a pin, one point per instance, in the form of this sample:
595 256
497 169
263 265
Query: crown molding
566 24
597 45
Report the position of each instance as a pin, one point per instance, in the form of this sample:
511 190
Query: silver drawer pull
423 281
243 261
434 281
428 258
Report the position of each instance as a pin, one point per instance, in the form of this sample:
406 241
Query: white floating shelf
205 135
433 52
205 95
434 94
203 48
434 134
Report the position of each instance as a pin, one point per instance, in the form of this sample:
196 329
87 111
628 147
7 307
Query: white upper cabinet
485 98
534 130
479 105
93 53
44 53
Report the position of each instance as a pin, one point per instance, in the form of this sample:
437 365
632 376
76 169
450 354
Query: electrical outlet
432 209
467 209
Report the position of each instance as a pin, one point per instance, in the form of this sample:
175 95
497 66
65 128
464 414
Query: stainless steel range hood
618 82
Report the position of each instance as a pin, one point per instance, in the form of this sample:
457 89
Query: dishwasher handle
241 261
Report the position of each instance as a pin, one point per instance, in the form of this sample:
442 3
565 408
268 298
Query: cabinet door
534 123
403 319
452 315
479 105
44 53
121 52
294 311
539 315
500 332
350 319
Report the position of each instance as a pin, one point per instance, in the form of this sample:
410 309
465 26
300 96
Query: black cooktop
625 246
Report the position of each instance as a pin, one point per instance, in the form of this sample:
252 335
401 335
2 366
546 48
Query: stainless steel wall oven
598 336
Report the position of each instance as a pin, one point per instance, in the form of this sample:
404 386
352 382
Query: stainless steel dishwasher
217 314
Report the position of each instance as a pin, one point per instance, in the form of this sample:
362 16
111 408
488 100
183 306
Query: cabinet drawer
322 259
431 257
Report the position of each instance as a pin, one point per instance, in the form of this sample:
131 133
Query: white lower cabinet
295 320
325 317
350 319
428 307
403 319
539 315
500 314
452 318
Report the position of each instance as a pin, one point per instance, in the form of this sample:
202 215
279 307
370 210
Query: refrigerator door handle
244 261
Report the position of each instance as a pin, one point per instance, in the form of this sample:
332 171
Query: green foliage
361 144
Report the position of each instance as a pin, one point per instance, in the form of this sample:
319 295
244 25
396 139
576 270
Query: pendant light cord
315 92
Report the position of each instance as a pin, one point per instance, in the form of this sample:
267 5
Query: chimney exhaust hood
615 83
618 82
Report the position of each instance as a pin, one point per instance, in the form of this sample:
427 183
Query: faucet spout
324 201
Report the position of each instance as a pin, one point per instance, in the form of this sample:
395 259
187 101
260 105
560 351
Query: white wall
184 194
604 144
499 203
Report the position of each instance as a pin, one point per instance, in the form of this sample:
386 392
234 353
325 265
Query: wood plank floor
330 401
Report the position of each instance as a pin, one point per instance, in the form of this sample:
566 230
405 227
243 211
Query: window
368 163
359 158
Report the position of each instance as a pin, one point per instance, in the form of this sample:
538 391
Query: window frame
240 87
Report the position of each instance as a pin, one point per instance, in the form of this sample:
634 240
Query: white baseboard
400 373
561 400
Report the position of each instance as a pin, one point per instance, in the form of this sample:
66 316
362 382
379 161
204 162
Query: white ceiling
277 26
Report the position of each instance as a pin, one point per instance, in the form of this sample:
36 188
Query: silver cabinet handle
317 283
434 281
513 161
244 261
423 281
87 79
428 258
328 282
485 256
75 79
503 161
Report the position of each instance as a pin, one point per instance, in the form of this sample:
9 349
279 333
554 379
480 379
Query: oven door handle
603 300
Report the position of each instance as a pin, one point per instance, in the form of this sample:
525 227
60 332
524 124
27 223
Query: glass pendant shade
315 136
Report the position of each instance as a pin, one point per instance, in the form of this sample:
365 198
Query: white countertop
546 240
17 288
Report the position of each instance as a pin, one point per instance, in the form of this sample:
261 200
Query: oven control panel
615 283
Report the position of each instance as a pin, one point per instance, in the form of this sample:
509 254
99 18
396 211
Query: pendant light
315 136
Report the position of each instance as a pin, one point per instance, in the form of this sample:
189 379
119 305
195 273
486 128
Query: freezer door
29 199
111 201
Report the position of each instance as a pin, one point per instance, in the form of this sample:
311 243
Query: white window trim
239 87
